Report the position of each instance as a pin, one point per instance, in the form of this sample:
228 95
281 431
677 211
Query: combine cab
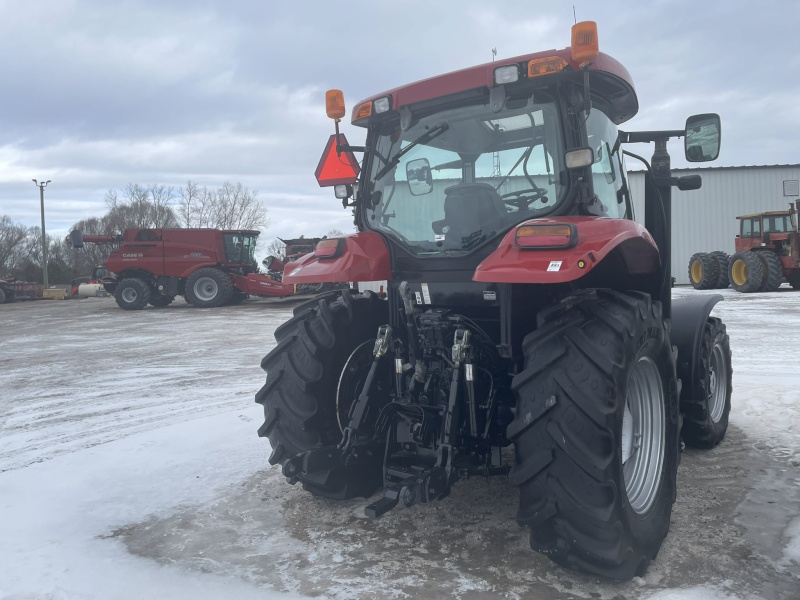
524 307
208 267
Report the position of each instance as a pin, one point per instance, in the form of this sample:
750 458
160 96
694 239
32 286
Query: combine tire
208 288
746 272
160 300
132 294
596 433
773 271
237 297
722 258
314 373
706 401
703 271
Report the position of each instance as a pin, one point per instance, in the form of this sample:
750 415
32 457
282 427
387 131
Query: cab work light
330 248
382 105
550 235
507 74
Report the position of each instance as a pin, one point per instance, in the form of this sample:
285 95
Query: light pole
41 187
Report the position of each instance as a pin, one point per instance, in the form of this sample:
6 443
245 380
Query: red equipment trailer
12 289
524 307
209 267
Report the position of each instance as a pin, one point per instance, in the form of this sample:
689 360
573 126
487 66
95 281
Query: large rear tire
314 373
596 433
161 300
706 402
703 271
773 271
132 293
746 272
208 288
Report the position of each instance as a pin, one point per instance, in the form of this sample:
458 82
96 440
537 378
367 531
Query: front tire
208 288
596 433
132 294
706 402
306 388
746 272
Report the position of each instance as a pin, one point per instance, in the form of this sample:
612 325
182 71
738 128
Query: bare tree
14 246
276 248
335 233
232 206
143 207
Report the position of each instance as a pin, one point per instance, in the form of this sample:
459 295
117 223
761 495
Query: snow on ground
110 419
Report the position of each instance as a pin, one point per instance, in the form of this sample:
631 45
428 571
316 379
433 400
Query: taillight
330 248
546 235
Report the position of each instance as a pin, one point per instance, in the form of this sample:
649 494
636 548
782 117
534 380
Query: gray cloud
100 94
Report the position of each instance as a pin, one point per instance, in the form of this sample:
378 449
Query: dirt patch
469 545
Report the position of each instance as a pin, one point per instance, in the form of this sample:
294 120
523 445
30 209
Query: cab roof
608 78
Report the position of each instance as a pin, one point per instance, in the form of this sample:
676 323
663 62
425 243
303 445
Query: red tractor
208 267
294 249
767 253
524 307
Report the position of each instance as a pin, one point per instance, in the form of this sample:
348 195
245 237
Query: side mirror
420 179
702 139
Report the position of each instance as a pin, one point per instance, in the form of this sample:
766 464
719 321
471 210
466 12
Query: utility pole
41 187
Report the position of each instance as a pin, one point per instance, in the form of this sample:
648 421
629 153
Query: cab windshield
451 181
240 248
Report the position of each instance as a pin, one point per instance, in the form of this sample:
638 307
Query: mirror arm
635 137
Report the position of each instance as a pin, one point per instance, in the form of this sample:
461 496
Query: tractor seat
471 210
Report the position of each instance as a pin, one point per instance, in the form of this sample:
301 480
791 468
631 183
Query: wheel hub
206 288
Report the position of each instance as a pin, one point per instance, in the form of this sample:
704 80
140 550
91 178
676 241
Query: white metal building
705 220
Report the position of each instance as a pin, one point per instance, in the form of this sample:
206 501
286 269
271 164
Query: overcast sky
97 94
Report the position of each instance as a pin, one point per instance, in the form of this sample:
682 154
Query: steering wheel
523 199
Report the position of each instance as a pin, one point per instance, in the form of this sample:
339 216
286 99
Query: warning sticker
426 295
419 297
555 265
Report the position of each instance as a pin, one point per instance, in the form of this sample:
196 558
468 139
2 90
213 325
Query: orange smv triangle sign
336 169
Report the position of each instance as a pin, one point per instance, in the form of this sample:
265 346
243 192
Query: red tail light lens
551 235
329 248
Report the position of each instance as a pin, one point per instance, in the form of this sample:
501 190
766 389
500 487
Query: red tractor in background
767 253
524 307
208 267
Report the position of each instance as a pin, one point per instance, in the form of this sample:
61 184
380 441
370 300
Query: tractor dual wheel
746 272
703 271
773 271
706 401
314 374
596 433
722 258
132 293
208 288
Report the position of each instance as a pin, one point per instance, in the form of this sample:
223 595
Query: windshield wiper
435 131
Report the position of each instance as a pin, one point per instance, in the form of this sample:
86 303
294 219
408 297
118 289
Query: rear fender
689 316
597 237
364 257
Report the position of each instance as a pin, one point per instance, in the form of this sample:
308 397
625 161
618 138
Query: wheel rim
129 295
206 288
739 272
697 271
718 383
643 437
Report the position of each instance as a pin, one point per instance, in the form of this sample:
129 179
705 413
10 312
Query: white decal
426 294
419 297
489 295
295 272
555 265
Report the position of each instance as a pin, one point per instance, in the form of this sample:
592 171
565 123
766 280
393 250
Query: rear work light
550 235
507 74
329 248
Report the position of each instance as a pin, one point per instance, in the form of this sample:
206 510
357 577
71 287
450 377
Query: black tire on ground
208 288
773 271
746 272
794 279
306 372
706 402
160 300
596 398
722 258
703 271
132 293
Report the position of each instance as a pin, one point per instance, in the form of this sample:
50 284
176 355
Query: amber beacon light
585 46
